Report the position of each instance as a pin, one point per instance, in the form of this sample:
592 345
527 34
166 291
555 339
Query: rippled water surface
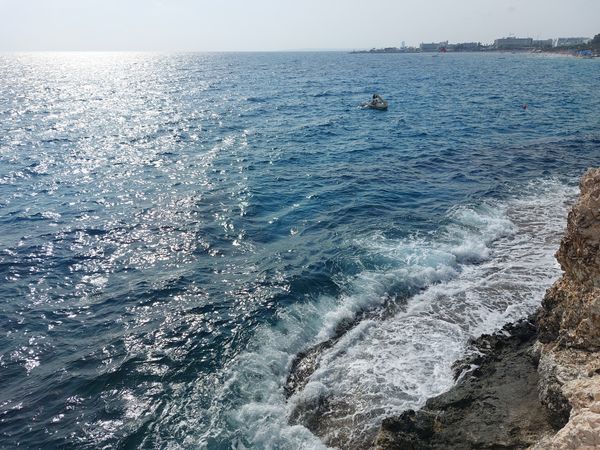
176 228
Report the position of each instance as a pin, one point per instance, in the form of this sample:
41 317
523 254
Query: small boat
377 102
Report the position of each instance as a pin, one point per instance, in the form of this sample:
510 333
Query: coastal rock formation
582 431
570 314
569 328
494 405
524 393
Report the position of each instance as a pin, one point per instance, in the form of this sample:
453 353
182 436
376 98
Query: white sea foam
489 265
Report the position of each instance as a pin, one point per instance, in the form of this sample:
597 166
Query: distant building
567 42
513 43
385 50
467 47
543 43
433 46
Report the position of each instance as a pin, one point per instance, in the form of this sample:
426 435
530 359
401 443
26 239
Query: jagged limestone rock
570 314
569 329
582 432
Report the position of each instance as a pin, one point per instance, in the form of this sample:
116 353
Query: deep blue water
175 228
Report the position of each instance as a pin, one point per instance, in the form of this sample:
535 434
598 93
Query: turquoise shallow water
176 227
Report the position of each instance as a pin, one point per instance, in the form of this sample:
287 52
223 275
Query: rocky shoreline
493 405
535 384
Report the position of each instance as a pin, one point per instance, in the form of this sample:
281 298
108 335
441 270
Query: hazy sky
282 24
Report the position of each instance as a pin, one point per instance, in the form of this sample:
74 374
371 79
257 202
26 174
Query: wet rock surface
494 404
307 362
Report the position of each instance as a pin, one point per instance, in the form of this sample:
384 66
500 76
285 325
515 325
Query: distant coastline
572 53
584 47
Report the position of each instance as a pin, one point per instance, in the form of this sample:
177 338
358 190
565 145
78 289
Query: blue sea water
175 228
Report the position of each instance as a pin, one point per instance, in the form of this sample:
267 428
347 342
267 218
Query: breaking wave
488 265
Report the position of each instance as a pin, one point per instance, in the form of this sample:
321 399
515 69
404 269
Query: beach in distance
226 251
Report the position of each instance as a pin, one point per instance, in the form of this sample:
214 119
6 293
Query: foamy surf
490 264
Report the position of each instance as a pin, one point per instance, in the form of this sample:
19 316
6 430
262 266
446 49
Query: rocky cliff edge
569 328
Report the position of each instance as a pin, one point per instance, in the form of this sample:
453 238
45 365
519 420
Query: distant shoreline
569 53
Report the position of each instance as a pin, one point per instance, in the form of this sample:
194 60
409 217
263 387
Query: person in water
376 99
376 102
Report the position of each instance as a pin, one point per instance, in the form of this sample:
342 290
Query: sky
270 25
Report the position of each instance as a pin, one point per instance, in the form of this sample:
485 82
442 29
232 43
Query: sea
176 228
